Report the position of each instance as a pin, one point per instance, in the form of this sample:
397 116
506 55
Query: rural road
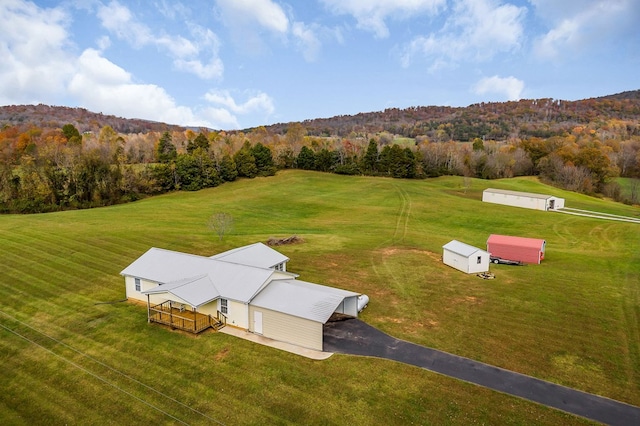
355 337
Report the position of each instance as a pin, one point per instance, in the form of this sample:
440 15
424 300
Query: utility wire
104 365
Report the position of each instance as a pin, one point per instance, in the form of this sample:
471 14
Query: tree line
58 169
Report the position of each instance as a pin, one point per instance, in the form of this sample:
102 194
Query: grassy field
573 320
628 186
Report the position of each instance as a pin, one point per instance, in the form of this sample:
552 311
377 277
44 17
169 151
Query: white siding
455 260
131 292
465 264
349 306
522 199
515 200
236 316
289 329
483 266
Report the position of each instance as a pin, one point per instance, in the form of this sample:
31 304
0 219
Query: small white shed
466 258
527 200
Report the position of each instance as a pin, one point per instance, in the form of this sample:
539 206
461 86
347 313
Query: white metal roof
462 249
195 290
257 254
519 193
233 281
302 299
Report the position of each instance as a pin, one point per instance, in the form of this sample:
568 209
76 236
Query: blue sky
233 64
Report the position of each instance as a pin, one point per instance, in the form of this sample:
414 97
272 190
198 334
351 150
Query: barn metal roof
169 268
516 241
519 193
461 248
258 254
302 299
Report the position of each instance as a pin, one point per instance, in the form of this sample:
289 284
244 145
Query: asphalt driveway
355 337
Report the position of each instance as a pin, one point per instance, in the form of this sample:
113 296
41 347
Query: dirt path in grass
355 337
402 223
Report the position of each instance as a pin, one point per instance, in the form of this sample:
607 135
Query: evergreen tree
200 141
264 160
196 171
165 150
227 169
371 158
325 160
246 162
306 159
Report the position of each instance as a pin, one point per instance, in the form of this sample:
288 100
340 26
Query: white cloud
307 40
33 42
187 54
476 30
214 68
580 26
119 20
247 21
222 117
225 110
260 102
509 87
101 85
371 15
265 13
38 66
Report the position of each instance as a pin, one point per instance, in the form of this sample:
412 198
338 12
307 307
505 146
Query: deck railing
177 316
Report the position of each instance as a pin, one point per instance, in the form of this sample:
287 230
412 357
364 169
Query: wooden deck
182 318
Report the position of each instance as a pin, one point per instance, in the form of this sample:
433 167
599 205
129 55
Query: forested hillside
497 120
53 117
54 158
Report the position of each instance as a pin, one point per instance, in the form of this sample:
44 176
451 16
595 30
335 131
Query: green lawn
629 187
574 319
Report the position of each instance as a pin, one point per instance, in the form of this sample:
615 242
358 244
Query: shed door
257 322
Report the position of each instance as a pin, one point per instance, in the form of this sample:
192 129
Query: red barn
527 250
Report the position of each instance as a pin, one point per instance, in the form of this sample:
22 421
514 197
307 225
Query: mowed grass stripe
516 321
46 246
68 368
113 376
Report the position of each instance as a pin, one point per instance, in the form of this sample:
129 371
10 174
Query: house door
257 322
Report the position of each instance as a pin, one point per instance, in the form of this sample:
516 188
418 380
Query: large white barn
248 288
527 200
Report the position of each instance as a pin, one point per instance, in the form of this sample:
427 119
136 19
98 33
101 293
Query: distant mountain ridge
46 116
495 120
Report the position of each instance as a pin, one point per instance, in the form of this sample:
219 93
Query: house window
223 306
279 267
479 260
137 284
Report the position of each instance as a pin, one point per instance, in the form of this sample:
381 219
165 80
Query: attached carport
295 311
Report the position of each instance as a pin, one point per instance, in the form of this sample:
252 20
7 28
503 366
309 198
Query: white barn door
257 322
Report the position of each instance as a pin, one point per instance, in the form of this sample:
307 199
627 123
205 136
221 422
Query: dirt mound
294 239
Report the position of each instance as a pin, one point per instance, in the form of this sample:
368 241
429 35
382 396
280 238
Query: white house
465 258
526 200
247 287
